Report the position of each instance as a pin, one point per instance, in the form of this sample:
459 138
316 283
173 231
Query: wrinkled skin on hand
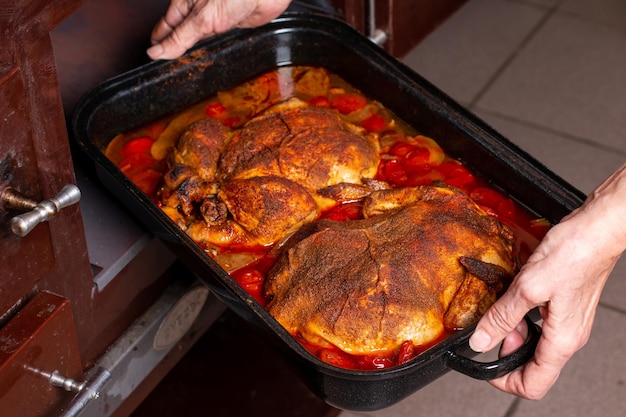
189 21
564 278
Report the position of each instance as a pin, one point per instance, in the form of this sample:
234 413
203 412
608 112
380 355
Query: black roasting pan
158 88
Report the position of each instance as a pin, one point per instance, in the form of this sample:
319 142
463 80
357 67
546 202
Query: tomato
464 183
418 156
486 197
374 123
343 212
136 162
231 121
499 203
251 280
336 358
215 110
401 149
506 208
406 352
394 172
374 362
146 180
136 145
348 102
320 101
417 170
457 175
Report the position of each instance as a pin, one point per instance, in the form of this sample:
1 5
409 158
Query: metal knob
86 391
22 224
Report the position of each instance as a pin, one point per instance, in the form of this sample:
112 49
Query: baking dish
159 88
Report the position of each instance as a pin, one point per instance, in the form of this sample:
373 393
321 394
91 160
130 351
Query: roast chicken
260 183
424 260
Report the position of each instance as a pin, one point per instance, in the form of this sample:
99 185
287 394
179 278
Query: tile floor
549 75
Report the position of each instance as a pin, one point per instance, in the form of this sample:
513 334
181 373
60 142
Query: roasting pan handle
500 367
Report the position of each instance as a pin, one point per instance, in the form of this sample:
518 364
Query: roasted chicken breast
424 260
269 173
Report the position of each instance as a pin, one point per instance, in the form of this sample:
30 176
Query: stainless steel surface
376 35
89 392
379 37
148 341
57 380
13 200
23 224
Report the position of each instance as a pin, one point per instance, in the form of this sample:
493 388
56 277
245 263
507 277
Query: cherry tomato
251 280
464 183
401 149
136 145
406 352
487 197
136 162
417 170
320 101
215 110
375 362
457 175
501 204
348 102
506 208
336 358
343 212
374 123
146 180
394 172
230 121
418 156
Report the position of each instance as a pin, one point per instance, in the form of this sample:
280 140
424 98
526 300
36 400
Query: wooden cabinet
36 161
53 315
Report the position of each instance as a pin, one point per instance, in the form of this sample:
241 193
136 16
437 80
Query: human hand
564 278
188 21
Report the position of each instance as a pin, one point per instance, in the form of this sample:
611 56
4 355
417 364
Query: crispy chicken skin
267 173
199 147
269 207
311 146
425 259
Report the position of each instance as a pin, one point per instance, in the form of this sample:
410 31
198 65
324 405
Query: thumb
500 320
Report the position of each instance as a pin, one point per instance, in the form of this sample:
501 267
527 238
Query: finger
534 379
514 340
183 37
174 16
500 320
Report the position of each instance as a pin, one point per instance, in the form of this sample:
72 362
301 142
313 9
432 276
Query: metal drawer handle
86 391
22 224
89 390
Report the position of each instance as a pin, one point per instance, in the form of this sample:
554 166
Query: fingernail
479 341
155 51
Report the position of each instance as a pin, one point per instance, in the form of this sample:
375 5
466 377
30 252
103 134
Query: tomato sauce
407 159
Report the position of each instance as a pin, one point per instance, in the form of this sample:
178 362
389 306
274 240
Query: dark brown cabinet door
24 260
37 328
35 157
